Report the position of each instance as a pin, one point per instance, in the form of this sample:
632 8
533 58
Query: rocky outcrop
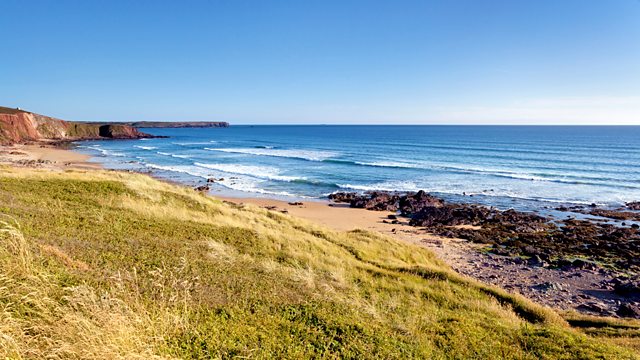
634 205
18 126
118 132
513 233
587 265
388 201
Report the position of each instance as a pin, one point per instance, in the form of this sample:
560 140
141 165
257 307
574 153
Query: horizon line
366 124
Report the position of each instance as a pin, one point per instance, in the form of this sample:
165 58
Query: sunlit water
506 166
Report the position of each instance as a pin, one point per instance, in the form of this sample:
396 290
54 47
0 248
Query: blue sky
259 62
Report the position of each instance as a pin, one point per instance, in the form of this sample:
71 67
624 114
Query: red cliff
17 126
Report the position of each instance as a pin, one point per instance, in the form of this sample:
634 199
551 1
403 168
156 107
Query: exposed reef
603 252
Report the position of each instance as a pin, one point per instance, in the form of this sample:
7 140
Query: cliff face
18 126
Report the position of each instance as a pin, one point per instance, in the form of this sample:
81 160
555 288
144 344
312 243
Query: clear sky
343 61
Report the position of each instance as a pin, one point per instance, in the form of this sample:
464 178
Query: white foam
145 147
249 185
312 155
473 170
264 172
393 164
383 186
185 169
105 152
246 184
194 143
174 155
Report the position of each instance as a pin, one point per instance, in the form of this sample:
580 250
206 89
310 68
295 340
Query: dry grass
113 265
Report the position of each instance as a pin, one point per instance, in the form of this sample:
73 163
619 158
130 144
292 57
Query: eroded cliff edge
19 126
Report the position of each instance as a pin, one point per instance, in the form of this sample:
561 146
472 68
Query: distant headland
19 126
168 124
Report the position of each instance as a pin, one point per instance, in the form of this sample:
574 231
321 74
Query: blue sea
523 167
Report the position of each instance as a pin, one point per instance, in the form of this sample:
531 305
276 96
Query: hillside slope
115 265
18 126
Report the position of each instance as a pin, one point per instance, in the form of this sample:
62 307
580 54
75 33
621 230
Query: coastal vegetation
99 264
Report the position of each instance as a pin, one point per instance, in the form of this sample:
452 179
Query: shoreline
581 290
45 155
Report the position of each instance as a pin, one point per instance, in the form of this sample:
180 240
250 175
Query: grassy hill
116 265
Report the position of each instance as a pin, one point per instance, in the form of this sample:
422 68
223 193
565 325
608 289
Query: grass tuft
114 265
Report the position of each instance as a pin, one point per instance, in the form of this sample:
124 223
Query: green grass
115 265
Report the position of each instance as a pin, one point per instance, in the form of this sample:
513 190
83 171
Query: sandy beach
574 289
343 180
45 155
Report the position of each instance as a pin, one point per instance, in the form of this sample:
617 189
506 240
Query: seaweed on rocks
515 233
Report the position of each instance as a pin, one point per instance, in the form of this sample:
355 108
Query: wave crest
311 155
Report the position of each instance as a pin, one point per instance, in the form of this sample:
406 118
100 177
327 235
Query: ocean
522 167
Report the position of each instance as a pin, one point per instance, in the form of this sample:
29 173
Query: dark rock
634 205
530 250
119 132
202 188
536 261
450 215
629 310
628 288
547 286
375 200
616 214
412 203
516 232
296 203
584 264
391 217
387 201
342 197
593 307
